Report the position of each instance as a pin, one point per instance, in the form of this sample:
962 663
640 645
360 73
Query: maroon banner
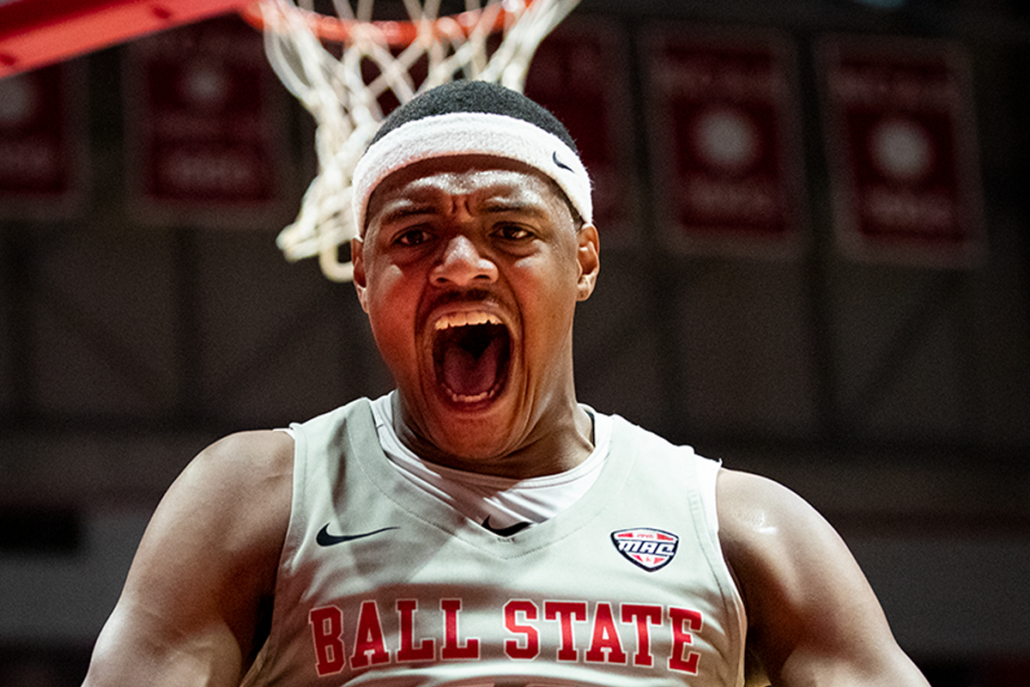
724 147
41 172
579 74
903 158
206 125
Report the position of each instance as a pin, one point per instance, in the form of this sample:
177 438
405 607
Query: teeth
465 319
462 398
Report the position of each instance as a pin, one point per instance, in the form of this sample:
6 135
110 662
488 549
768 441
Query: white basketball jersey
382 584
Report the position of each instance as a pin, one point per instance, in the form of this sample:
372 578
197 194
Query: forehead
480 176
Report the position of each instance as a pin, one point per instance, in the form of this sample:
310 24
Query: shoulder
771 536
219 529
199 583
753 508
230 506
245 456
256 464
245 479
812 616
238 490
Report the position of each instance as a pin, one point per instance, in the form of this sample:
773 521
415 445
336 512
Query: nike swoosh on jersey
325 539
506 531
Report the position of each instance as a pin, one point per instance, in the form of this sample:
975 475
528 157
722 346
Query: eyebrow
407 211
497 207
491 207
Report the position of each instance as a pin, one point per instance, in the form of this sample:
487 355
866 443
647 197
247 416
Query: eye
411 237
512 232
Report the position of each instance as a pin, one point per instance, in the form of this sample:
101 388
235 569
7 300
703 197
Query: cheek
391 316
396 349
549 301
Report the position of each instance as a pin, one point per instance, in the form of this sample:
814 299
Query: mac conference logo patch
646 547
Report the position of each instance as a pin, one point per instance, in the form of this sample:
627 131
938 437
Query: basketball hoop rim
399 33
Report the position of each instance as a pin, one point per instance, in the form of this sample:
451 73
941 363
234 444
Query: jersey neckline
373 462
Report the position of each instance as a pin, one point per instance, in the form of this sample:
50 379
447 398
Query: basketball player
479 526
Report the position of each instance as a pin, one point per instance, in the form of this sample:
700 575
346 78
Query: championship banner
205 128
903 158
725 150
42 143
579 74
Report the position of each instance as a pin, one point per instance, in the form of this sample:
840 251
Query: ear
589 258
357 258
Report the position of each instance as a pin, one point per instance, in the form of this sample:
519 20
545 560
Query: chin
473 431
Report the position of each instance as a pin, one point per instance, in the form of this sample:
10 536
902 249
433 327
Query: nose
462 263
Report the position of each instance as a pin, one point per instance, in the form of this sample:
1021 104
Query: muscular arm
813 619
190 608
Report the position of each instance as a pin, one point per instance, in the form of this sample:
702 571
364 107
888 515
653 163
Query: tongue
467 374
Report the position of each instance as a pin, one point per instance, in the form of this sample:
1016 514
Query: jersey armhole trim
707 471
267 654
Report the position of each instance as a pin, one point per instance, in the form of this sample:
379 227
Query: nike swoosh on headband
554 158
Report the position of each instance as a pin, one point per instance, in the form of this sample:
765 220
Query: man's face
470 270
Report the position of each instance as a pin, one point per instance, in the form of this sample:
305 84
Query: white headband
471 133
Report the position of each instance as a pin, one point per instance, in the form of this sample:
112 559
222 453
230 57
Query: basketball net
343 88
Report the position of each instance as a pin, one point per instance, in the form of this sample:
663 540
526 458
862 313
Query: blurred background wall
857 330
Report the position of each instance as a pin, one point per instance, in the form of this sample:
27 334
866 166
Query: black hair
475 96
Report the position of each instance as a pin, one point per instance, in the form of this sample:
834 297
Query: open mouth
471 352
